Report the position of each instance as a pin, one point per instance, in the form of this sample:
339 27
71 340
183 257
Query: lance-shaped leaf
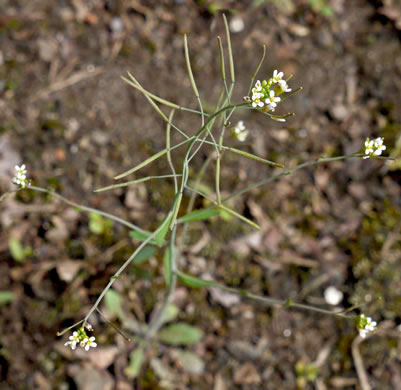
180 334
193 281
239 216
198 215
135 363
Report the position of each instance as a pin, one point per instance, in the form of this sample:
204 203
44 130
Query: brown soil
66 114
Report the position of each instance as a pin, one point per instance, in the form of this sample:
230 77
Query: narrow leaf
180 334
144 254
135 363
16 249
190 362
170 314
143 236
239 216
199 215
163 232
193 281
113 301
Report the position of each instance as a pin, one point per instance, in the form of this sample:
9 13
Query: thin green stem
289 172
89 209
69 328
257 70
286 303
141 180
168 147
157 322
125 265
185 170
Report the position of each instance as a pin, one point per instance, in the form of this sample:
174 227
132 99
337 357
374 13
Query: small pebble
237 24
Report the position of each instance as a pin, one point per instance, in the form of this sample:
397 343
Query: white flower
256 102
74 340
240 132
257 87
277 76
333 296
88 342
272 100
374 147
365 325
21 170
284 86
20 177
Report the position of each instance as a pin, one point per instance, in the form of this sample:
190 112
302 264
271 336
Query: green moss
378 277
75 249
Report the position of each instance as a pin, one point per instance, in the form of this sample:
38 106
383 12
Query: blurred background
67 115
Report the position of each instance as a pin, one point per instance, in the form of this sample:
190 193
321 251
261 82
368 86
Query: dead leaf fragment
67 269
247 375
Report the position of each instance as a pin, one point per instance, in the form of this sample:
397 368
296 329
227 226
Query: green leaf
159 238
144 254
193 281
199 215
96 223
136 235
190 362
170 314
16 249
135 364
113 301
167 266
6 297
163 232
180 333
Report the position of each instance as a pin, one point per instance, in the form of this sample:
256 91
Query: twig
73 79
360 369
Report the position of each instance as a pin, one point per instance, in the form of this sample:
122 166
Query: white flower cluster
265 94
81 338
240 132
365 325
20 177
374 147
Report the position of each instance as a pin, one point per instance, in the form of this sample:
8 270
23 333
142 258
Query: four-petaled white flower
272 100
74 340
240 132
374 147
277 76
88 342
365 325
284 86
20 177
